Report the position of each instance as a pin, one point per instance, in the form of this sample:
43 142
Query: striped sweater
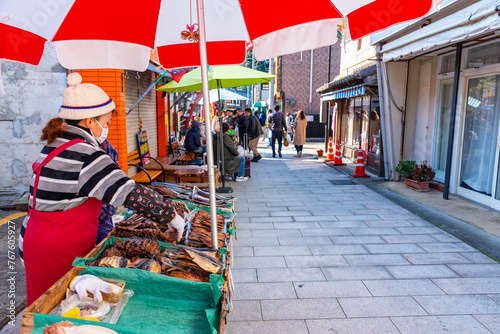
84 170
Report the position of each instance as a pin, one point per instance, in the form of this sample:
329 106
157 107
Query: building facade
351 104
298 76
441 87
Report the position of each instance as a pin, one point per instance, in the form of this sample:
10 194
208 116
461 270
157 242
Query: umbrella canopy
225 94
121 33
218 77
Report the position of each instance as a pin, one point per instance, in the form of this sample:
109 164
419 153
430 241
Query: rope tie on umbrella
191 33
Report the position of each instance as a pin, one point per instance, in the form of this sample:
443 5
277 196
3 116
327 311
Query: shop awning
467 23
345 93
355 77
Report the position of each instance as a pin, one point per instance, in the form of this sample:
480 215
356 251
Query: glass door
442 128
479 165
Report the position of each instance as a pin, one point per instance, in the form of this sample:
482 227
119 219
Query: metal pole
454 98
169 127
224 189
253 86
385 143
328 118
208 130
271 85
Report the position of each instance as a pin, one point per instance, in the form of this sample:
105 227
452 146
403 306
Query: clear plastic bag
93 309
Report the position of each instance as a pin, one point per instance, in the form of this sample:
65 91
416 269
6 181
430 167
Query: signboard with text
142 139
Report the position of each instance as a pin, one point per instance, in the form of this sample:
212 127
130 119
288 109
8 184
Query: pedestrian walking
71 178
288 120
278 126
262 119
299 126
268 128
254 133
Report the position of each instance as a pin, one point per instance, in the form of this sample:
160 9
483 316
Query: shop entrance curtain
480 135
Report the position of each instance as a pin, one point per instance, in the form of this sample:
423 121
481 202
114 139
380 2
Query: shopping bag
288 138
285 142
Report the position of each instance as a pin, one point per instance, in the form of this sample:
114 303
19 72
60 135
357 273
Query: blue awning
345 93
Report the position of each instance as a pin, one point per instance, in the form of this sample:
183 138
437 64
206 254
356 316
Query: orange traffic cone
330 156
338 156
359 172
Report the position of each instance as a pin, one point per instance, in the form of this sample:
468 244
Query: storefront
356 118
478 116
465 139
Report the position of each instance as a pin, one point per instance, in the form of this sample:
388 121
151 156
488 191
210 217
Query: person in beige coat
299 127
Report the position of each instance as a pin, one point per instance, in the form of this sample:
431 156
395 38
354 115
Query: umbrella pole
224 189
208 130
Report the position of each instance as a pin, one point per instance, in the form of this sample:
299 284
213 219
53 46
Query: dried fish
114 262
205 262
146 264
139 247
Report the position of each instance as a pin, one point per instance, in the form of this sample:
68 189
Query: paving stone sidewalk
313 257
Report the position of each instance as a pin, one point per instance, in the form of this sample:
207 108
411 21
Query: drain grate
342 182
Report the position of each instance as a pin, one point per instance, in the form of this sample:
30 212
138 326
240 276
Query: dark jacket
231 160
243 124
192 140
229 120
254 128
278 123
262 119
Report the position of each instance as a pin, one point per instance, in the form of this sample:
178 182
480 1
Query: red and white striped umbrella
121 33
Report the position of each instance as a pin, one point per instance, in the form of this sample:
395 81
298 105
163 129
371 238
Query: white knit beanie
81 101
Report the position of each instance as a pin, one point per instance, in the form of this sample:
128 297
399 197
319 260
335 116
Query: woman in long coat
299 128
71 178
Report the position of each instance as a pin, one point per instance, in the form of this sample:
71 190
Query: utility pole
271 85
328 120
252 101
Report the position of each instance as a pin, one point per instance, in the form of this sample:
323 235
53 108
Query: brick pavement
313 257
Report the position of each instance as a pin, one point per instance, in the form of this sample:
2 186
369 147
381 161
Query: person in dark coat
192 142
262 119
254 133
242 127
278 125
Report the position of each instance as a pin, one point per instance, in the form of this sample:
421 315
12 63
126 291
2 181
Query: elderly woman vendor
71 177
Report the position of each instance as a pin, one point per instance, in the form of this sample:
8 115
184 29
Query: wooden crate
49 300
54 295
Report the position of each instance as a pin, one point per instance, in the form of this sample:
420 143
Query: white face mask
103 135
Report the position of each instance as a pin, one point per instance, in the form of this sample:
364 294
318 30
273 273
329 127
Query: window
480 134
443 128
447 64
483 55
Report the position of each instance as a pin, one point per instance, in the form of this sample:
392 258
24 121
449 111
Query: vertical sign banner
142 139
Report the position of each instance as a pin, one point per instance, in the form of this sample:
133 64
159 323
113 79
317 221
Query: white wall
352 57
33 96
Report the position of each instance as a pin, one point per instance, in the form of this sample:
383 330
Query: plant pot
418 186
320 153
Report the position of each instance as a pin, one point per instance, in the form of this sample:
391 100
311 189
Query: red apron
53 239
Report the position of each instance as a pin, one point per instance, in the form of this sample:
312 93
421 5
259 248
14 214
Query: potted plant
422 176
320 153
405 169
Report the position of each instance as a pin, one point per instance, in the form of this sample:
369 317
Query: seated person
192 142
234 163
